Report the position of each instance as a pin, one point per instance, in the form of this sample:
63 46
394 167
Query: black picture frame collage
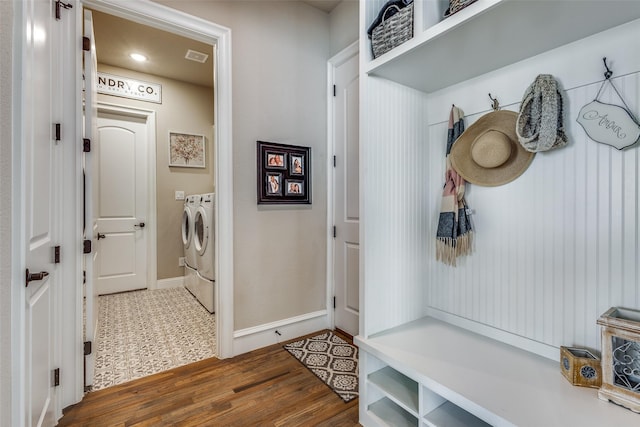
284 173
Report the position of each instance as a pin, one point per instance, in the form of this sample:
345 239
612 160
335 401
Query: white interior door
122 203
346 194
42 160
90 133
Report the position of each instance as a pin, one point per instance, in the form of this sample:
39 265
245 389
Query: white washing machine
204 241
191 204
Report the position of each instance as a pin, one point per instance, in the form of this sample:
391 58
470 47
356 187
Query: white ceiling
116 38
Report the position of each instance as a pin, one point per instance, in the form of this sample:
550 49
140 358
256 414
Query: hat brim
466 167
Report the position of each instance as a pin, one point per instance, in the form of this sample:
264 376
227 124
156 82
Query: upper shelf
490 34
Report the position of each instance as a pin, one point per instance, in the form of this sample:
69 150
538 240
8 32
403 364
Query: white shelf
498 383
490 34
450 415
391 414
398 386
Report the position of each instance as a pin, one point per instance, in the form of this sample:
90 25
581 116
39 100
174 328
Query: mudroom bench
431 373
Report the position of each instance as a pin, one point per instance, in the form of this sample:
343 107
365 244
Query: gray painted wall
280 50
343 21
6 98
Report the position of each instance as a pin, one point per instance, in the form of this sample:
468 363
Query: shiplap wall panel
394 170
556 247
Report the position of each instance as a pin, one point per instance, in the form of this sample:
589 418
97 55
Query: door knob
101 236
35 276
141 225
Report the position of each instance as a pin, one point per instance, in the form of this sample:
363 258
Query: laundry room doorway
123 119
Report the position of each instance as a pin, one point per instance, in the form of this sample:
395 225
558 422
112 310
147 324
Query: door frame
332 64
150 117
171 20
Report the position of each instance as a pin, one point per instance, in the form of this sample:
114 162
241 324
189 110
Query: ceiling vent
196 56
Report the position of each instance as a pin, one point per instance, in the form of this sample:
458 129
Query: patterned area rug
332 359
145 332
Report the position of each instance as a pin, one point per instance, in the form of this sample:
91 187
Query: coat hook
608 73
494 103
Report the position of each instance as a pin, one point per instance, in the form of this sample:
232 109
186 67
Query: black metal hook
494 103
608 73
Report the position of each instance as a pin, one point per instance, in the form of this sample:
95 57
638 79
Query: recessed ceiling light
138 57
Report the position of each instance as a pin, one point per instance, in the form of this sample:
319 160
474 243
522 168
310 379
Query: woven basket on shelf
392 31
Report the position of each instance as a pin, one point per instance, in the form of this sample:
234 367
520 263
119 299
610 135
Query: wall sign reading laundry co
129 88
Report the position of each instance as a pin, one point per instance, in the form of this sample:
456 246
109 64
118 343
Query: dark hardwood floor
267 387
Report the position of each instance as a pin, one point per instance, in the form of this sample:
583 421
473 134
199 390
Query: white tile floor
145 332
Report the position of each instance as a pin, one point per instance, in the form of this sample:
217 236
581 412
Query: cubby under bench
429 373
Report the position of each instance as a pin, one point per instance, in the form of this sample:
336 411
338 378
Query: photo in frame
283 173
294 187
186 150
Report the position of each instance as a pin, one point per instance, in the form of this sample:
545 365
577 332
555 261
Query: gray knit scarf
540 126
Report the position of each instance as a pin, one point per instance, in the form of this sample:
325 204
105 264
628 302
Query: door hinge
57 132
334 90
56 377
86 247
59 6
84 276
334 232
86 44
334 302
87 348
56 254
86 145
334 161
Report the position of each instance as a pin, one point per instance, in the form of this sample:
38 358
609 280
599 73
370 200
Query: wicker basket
393 31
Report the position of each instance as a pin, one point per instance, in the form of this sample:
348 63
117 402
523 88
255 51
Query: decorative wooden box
621 357
580 367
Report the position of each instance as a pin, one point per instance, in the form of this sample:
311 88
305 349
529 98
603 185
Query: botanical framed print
283 173
186 150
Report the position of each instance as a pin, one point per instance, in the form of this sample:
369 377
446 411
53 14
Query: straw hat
488 152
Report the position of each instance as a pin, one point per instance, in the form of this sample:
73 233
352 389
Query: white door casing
121 221
346 214
41 96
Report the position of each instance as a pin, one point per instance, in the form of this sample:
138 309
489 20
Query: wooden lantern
580 367
621 357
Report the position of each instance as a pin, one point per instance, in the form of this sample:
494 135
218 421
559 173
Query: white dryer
191 204
204 241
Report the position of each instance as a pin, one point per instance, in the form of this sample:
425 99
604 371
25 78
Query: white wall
557 247
280 51
6 134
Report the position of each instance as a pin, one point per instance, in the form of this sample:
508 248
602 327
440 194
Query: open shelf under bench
495 382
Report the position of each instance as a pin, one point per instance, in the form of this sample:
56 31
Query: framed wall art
284 175
186 150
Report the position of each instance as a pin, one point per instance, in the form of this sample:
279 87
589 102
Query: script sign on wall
609 124
125 87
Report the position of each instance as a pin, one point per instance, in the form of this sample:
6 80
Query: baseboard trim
255 337
172 282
